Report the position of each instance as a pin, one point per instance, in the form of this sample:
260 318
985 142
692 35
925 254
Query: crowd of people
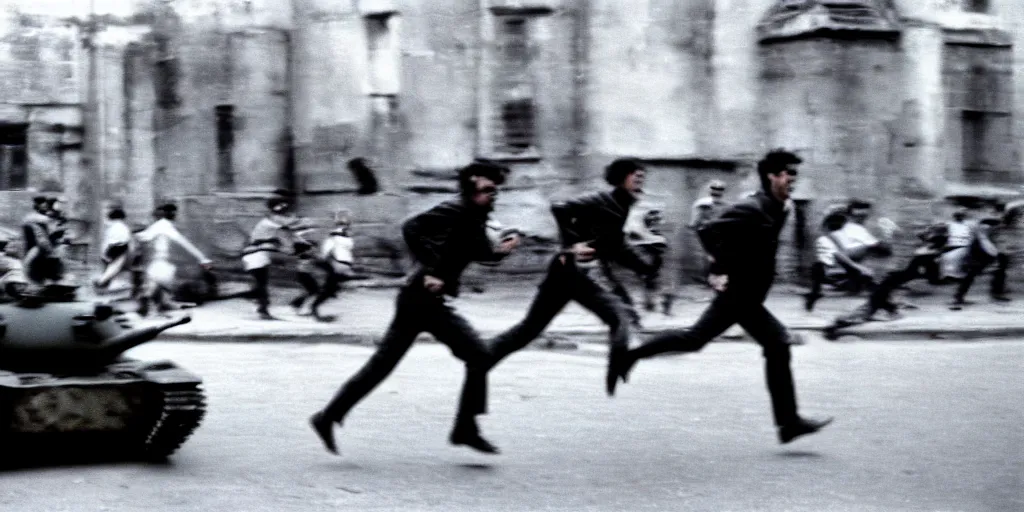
598 231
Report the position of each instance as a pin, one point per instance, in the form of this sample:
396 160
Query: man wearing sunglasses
591 229
743 242
444 241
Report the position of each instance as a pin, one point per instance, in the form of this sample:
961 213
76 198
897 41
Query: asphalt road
920 426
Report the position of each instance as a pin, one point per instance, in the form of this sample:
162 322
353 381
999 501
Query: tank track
184 406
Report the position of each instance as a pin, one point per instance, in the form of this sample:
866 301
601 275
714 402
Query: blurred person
704 210
923 265
117 248
961 233
591 228
646 236
160 271
443 241
983 253
12 277
337 256
266 239
833 264
41 259
743 241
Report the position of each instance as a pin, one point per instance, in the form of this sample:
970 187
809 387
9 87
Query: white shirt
117 233
699 214
338 248
959 234
159 236
854 237
826 250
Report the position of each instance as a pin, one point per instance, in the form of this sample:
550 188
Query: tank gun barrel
125 341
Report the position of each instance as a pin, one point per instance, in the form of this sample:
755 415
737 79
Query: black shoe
959 304
810 299
324 318
296 304
1001 297
325 430
801 427
265 315
143 310
472 439
616 360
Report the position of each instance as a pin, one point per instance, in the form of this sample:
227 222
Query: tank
66 387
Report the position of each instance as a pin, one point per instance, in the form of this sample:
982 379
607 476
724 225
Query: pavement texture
920 426
363 315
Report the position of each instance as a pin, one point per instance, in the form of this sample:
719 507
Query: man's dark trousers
746 309
976 265
564 283
418 310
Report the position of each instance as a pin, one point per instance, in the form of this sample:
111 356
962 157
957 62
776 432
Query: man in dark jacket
444 241
591 232
743 242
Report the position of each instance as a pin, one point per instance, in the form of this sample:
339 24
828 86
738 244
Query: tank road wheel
183 408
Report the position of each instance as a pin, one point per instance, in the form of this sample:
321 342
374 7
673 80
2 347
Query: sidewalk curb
595 340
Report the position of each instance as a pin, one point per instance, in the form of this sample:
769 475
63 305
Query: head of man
116 214
55 207
479 182
778 171
716 189
627 174
169 211
39 204
834 221
859 211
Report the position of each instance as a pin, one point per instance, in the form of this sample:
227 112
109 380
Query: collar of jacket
623 197
466 206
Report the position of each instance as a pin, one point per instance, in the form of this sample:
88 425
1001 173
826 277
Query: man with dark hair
743 242
833 264
265 240
444 241
364 176
39 250
591 229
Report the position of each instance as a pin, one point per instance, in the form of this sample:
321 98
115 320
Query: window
225 119
384 56
987 137
980 6
514 90
13 157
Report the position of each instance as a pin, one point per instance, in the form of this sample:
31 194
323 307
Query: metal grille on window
515 111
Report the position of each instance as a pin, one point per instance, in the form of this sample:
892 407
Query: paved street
920 426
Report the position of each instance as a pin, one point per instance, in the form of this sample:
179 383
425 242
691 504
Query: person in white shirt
983 253
160 272
265 240
833 263
705 209
855 239
118 247
960 236
336 253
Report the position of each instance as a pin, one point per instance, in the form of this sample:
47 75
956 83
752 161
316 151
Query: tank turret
66 386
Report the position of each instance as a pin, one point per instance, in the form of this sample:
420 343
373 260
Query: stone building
213 103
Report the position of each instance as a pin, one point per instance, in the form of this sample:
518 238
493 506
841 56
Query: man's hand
582 251
433 284
718 282
508 244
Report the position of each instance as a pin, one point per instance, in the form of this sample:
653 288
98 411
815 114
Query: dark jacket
445 239
744 240
598 219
